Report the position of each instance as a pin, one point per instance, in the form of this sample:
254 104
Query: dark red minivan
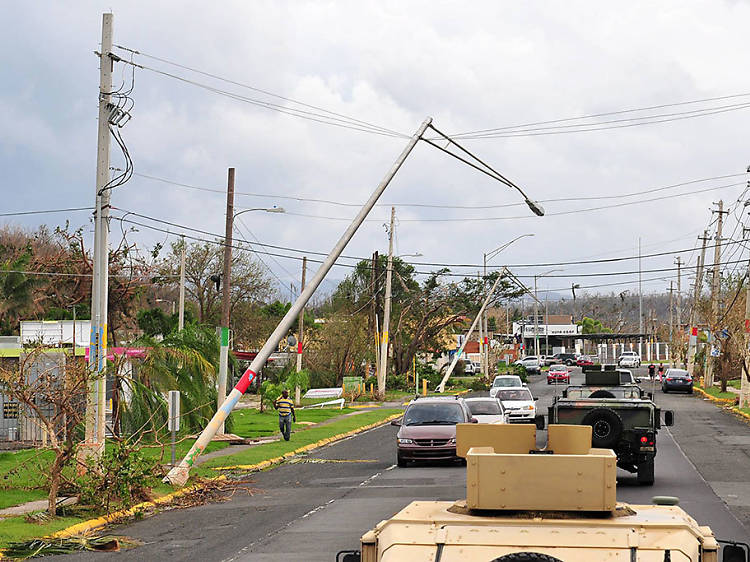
428 429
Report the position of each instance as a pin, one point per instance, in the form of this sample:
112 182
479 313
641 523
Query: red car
584 360
558 374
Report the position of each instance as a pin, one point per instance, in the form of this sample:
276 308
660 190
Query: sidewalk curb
92 524
739 412
713 398
276 460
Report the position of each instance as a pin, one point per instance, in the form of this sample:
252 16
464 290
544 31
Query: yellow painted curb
741 413
264 464
88 526
714 398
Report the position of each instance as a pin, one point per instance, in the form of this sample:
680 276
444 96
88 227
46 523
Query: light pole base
178 476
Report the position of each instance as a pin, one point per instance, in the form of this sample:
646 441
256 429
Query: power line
510 128
289 197
262 91
435 264
69 210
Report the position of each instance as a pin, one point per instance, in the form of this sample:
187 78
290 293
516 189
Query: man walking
285 406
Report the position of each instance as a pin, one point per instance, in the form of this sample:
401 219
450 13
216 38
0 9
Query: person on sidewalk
285 406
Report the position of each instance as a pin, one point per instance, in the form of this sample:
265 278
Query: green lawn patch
716 392
16 529
300 439
250 423
735 383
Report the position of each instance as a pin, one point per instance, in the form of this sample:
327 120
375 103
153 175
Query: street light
484 355
273 209
167 300
536 315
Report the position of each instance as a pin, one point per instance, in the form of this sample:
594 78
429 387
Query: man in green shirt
285 406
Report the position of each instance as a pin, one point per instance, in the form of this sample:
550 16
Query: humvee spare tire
527 557
601 394
606 427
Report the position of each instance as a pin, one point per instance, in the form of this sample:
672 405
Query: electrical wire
45 211
262 91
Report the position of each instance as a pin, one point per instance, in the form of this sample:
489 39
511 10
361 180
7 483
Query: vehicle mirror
536 398
668 418
349 557
638 380
474 420
539 421
733 553
650 395
396 422
523 383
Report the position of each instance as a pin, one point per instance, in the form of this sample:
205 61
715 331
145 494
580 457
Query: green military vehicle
623 418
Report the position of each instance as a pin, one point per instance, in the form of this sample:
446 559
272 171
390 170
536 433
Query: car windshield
555 368
434 414
506 381
677 373
519 394
484 407
529 358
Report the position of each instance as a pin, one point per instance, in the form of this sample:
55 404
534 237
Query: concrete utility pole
181 320
178 475
715 296
300 327
95 412
481 335
441 386
536 320
226 286
386 310
693 335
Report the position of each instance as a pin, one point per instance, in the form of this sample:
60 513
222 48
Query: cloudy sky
498 66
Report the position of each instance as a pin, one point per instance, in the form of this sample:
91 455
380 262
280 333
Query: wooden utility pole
374 328
679 292
225 297
745 373
693 334
715 296
386 310
300 328
671 311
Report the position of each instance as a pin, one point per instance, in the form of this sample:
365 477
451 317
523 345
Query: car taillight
644 439
669 379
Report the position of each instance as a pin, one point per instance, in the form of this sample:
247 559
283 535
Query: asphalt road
310 510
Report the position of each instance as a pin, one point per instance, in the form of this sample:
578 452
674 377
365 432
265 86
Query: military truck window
434 414
519 394
484 407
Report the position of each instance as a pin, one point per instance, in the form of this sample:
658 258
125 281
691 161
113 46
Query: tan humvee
528 505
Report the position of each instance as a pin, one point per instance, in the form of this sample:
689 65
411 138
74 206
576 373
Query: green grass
16 529
735 383
744 410
715 391
300 439
250 423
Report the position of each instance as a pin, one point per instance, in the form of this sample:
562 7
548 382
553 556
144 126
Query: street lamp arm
489 255
266 209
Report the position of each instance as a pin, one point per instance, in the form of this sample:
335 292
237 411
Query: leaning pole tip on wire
179 474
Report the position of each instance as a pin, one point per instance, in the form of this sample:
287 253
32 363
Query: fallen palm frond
49 546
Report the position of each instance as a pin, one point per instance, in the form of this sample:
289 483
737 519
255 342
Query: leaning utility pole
300 327
179 474
181 319
693 335
95 412
477 320
226 286
386 310
715 296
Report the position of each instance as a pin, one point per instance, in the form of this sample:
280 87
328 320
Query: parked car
584 360
487 410
428 428
677 379
519 403
531 364
629 359
505 381
558 374
568 359
470 368
547 360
